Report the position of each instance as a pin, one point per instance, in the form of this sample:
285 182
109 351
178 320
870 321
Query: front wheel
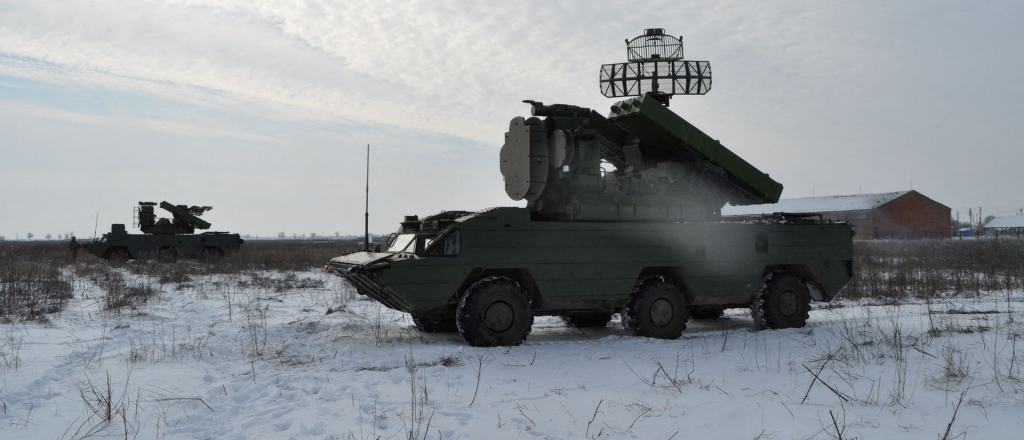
494 311
782 302
656 309
117 256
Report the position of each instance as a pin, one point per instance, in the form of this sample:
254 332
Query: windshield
402 242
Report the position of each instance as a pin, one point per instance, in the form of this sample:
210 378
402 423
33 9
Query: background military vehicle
623 216
163 238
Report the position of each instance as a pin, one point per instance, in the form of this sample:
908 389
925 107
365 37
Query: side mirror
392 238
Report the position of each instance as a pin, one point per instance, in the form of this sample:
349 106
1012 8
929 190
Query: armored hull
589 267
119 245
165 239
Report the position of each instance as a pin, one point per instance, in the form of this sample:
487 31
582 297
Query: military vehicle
623 216
163 238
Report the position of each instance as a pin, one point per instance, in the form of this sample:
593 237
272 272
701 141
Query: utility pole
970 218
366 224
980 221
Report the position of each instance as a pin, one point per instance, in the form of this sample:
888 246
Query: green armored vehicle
623 216
165 239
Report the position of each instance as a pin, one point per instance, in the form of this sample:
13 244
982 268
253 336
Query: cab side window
450 247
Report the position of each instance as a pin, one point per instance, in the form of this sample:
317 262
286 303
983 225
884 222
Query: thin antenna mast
366 231
96 226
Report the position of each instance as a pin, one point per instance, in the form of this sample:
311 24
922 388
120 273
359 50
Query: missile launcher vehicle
165 239
623 215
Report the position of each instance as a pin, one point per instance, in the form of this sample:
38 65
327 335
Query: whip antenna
366 224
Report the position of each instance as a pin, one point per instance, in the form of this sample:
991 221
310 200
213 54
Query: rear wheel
656 309
427 325
494 311
167 255
587 320
782 302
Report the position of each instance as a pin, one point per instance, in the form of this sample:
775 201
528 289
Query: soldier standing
73 249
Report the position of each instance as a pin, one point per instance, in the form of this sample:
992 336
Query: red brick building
895 215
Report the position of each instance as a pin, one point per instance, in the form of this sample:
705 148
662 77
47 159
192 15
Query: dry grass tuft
32 283
892 271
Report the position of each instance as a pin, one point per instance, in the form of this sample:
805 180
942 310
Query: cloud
832 98
453 67
184 129
361 62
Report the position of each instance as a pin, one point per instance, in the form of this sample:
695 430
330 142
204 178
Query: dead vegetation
283 255
123 291
32 282
892 271
889 358
35 278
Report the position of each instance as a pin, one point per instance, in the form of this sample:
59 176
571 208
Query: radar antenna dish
656 67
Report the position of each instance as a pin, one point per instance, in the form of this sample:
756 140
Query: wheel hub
499 317
661 312
788 303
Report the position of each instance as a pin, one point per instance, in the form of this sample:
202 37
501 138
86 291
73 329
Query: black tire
427 325
167 255
117 256
588 320
494 311
656 309
211 254
782 302
707 312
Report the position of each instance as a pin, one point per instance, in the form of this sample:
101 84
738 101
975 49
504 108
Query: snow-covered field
258 356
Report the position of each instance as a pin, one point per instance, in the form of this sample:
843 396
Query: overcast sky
264 109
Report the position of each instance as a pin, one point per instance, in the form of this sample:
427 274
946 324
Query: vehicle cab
415 241
431 237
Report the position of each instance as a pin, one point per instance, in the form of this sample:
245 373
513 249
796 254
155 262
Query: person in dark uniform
73 247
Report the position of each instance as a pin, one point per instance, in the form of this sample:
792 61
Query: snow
1009 221
197 363
857 202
